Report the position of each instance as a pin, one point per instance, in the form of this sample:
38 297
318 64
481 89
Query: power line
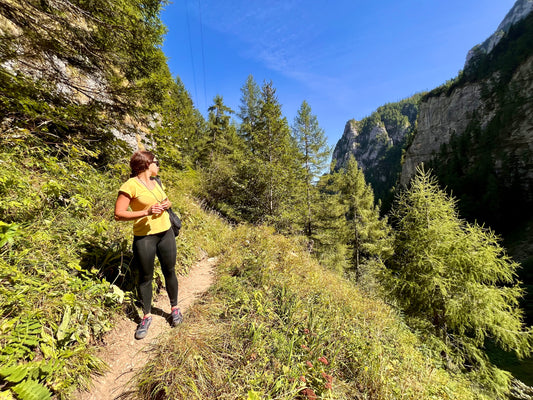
190 49
202 46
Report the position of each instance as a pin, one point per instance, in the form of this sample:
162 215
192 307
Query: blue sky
345 57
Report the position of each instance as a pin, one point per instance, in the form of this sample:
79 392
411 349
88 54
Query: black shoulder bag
175 221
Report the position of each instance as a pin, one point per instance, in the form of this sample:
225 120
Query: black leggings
145 248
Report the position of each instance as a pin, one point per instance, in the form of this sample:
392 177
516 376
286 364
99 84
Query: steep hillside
479 133
476 133
277 325
80 70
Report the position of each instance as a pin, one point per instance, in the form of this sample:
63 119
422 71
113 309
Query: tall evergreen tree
329 234
249 108
219 126
276 164
455 282
311 141
224 160
181 127
367 235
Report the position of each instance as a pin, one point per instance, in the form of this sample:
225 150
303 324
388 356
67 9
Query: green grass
277 325
65 263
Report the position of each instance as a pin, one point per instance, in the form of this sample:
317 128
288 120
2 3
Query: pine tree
249 108
181 128
312 144
276 164
367 235
220 131
223 162
330 233
455 283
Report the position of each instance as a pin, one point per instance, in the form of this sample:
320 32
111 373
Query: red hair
140 161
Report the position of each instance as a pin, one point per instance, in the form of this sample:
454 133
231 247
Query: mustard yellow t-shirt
143 199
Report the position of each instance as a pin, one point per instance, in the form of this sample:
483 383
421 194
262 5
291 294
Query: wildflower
309 394
306 331
329 380
309 364
323 360
304 347
302 378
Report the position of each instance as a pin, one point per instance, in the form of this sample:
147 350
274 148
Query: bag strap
153 194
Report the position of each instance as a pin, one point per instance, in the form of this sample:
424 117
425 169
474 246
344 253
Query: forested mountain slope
476 133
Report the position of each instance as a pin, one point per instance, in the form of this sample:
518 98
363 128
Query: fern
31 390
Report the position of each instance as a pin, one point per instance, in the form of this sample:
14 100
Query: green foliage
79 71
277 325
399 120
455 284
249 109
365 233
312 143
252 172
53 303
484 171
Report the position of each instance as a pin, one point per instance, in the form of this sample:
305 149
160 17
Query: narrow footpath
125 355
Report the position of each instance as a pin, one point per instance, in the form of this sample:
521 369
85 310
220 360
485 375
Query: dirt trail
125 355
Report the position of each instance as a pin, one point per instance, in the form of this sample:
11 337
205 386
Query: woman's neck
144 176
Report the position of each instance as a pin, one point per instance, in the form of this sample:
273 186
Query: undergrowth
276 325
65 263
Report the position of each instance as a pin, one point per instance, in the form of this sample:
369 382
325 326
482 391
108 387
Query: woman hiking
142 200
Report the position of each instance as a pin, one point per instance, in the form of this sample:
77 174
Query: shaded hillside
478 133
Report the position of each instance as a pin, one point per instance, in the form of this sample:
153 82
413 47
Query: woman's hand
156 209
166 204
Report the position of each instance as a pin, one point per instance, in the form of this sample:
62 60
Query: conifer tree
329 235
181 127
276 164
367 235
223 166
249 108
455 282
220 131
312 144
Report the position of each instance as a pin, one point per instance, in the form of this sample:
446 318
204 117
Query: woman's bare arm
123 214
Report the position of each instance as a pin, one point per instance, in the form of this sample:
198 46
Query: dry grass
277 325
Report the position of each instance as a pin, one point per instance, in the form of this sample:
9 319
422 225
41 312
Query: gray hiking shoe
176 317
142 328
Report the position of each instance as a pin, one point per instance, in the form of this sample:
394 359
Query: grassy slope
277 325
58 243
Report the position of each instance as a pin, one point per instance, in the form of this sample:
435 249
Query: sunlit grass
276 325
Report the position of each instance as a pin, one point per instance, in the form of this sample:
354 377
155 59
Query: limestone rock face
439 118
346 145
365 147
376 143
442 116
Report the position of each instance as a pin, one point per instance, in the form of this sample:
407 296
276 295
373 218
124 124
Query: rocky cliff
376 142
444 116
475 132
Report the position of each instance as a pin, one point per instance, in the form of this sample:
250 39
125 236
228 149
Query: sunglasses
156 162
